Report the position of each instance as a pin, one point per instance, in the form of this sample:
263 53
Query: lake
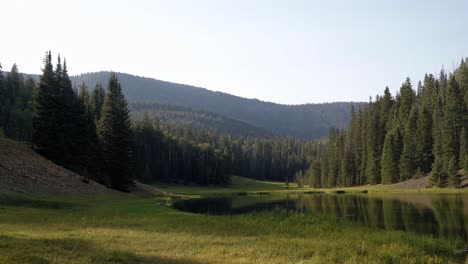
439 215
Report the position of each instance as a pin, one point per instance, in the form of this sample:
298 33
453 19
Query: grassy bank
241 186
119 228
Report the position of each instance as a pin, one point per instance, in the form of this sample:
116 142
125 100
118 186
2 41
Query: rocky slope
22 171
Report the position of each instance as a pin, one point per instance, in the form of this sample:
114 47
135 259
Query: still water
440 215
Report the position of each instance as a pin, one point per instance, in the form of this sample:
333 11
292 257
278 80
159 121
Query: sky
284 51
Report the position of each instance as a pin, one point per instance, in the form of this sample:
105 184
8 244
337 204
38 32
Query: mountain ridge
309 121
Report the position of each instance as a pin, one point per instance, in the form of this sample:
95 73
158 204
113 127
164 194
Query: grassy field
123 228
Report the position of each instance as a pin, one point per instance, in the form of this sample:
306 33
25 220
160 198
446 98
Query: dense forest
173 153
419 131
173 115
90 131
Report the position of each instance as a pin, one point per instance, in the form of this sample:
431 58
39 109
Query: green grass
123 228
119 228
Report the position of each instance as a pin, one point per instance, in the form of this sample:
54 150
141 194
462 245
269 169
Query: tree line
92 134
89 131
175 152
419 131
15 104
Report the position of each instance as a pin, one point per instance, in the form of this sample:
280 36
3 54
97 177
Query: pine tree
373 151
453 176
385 113
463 161
390 159
454 116
45 105
70 132
115 135
97 101
437 130
406 101
462 74
14 86
85 101
358 140
424 139
438 175
442 83
90 153
408 164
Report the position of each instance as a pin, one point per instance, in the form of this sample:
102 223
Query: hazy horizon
290 53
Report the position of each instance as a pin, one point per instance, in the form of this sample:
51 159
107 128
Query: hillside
305 121
22 171
185 116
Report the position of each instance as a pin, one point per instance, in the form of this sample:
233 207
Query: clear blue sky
282 51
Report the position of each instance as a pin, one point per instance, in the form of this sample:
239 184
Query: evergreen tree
97 101
115 135
358 140
453 176
463 162
462 74
12 104
385 113
390 159
85 101
407 99
70 131
373 149
45 126
438 174
408 164
437 132
90 153
454 117
442 83
424 139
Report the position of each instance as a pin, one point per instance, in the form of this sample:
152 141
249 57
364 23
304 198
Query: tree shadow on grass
70 250
34 203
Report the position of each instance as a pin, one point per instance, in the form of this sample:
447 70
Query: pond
440 215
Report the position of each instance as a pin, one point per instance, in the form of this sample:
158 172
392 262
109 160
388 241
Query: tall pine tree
408 163
390 159
454 117
115 135
45 105
97 101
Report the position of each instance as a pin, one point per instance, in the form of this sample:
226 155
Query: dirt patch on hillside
419 183
22 171
423 182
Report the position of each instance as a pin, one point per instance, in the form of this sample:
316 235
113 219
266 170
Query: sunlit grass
120 228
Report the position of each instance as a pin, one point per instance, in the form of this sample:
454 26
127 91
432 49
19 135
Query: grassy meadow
125 228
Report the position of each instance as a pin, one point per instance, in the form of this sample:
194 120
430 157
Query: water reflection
440 215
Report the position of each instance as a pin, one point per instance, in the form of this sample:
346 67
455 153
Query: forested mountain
172 115
304 121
